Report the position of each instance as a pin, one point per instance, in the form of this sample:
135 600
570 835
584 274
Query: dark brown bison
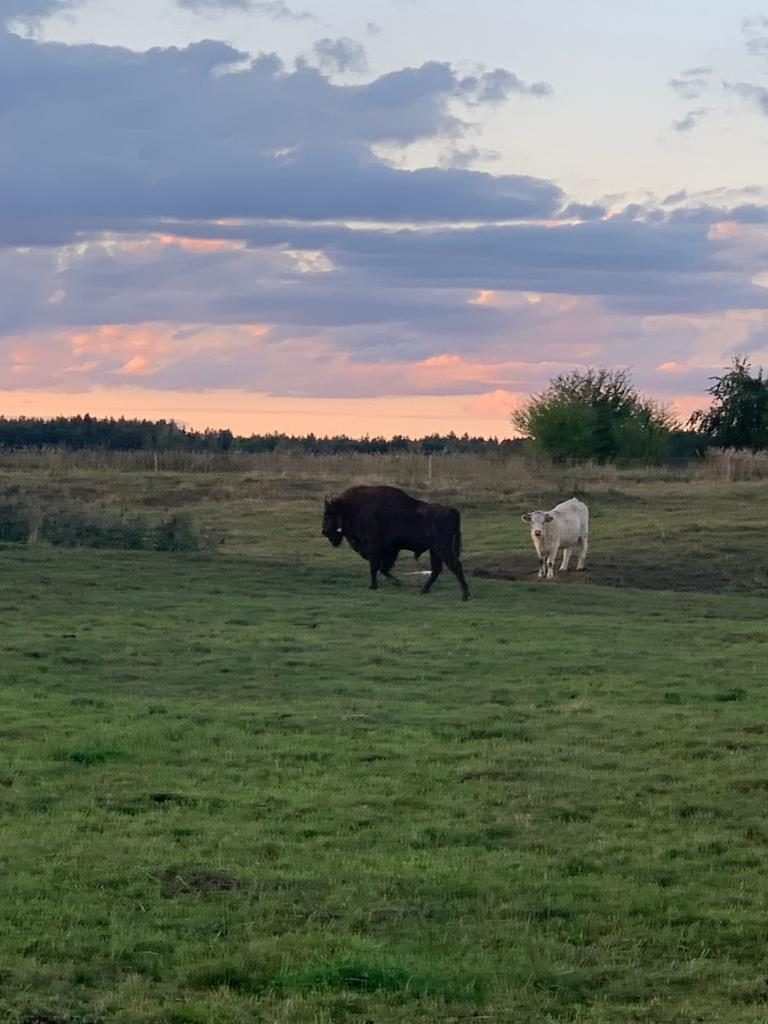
380 522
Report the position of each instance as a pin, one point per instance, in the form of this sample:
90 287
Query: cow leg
551 565
542 567
566 559
436 565
374 566
584 543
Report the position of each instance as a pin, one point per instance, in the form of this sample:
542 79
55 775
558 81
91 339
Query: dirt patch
163 799
180 880
141 804
35 1017
692 574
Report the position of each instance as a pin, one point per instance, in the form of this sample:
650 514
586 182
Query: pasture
237 786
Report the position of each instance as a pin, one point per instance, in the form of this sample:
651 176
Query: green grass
243 788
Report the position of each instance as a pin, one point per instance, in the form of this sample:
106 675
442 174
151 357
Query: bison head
332 526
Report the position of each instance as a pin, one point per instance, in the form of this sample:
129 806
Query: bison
379 522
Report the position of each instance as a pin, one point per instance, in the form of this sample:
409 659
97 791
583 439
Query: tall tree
596 414
738 415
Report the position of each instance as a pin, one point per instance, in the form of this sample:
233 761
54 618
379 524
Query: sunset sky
379 216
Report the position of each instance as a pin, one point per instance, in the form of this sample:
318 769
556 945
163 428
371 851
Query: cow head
537 521
332 526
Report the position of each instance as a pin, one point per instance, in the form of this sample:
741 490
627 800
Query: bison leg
436 565
374 566
454 564
385 567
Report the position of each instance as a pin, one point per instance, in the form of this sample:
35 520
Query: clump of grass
244 978
74 526
80 525
353 975
43 1017
88 757
177 533
14 524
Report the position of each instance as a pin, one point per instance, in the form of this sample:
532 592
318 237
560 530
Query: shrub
77 527
77 524
177 534
14 523
598 415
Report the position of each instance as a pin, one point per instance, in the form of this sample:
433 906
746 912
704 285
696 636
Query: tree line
594 414
112 434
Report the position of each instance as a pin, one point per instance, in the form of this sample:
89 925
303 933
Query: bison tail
456 545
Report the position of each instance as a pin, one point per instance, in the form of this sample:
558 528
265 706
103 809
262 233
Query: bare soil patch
35 1017
692 574
180 880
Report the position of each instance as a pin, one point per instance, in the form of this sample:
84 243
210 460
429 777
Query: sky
379 217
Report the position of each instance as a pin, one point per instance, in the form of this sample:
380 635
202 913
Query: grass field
240 787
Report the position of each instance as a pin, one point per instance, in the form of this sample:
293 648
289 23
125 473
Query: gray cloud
107 135
277 10
741 213
465 156
345 304
583 211
753 93
722 197
498 85
417 282
692 83
691 120
256 166
755 31
341 55
31 11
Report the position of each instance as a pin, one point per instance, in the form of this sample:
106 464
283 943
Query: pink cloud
499 403
670 357
136 365
484 297
201 245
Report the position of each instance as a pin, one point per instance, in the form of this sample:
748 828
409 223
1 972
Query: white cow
564 527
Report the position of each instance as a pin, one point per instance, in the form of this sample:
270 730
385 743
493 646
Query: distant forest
79 432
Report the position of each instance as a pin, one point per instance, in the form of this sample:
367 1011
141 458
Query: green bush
176 534
77 525
597 415
14 524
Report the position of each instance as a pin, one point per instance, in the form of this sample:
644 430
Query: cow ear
526 518
548 518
